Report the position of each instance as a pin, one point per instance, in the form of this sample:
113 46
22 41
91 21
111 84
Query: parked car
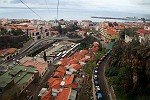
96 82
97 88
98 63
95 77
95 71
106 54
103 58
99 96
96 68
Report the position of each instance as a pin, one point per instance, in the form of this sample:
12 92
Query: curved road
101 80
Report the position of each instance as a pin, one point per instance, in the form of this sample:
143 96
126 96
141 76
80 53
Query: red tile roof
64 61
61 69
58 74
9 50
82 32
55 82
69 79
94 49
84 51
64 95
39 65
85 59
75 66
143 31
47 96
2 51
111 31
73 61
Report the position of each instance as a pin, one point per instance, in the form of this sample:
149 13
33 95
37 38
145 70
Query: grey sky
76 9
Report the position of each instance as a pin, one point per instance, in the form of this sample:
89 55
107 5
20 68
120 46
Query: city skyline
70 9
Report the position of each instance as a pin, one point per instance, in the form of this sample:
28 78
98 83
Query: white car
95 76
96 71
97 88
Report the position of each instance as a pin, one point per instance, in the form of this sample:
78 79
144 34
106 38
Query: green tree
3 31
17 32
59 29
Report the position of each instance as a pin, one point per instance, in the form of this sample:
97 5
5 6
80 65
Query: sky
74 9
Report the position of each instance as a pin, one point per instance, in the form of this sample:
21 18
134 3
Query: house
54 84
112 33
40 66
67 94
72 68
73 61
61 69
84 60
8 53
128 38
82 33
58 74
47 95
64 94
17 79
54 33
64 61
144 35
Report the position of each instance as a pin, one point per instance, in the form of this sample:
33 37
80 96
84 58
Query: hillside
129 70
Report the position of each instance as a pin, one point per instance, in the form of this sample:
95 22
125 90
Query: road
101 80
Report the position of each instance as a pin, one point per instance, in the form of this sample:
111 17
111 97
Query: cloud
6 1
83 6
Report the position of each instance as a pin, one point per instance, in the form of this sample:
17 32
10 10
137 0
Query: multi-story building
40 66
14 81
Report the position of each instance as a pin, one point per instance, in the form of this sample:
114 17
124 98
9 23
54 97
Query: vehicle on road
95 77
96 82
95 71
99 96
98 63
103 58
97 88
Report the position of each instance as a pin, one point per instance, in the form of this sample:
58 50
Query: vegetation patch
128 70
